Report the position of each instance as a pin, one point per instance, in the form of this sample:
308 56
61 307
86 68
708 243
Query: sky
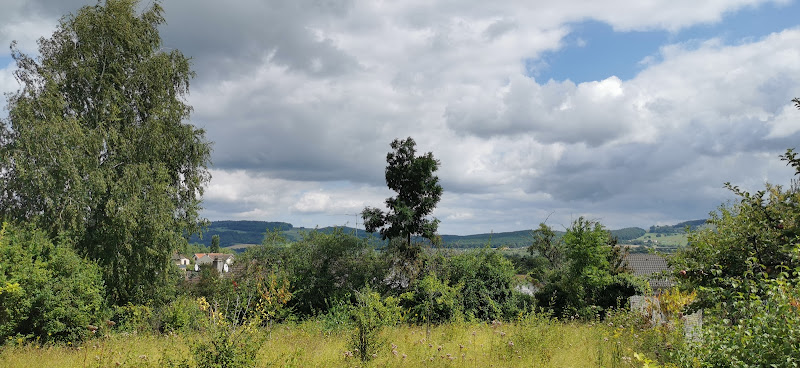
627 113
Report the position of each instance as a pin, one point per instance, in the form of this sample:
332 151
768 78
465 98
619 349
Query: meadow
533 341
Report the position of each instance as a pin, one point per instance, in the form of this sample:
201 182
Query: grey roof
649 266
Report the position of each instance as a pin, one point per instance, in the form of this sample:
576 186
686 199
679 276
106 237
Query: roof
213 255
645 265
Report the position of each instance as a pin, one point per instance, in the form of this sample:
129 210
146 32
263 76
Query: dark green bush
431 300
47 292
321 267
486 282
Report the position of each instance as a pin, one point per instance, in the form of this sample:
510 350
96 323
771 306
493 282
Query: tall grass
533 341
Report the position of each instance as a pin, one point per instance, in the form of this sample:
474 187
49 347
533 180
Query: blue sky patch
594 51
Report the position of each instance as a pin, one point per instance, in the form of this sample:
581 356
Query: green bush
47 292
584 277
226 341
134 318
758 327
369 316
431 300
182 314
321 267
486 280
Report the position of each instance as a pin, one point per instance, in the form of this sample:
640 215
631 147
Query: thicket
746 270
584 273
47 292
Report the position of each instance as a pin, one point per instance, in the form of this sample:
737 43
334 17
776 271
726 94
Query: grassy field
530 342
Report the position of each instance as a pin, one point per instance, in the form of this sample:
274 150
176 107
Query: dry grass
115 350
531 342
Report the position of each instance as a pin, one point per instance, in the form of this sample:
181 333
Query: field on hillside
530 342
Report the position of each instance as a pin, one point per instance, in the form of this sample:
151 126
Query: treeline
252 232
679 228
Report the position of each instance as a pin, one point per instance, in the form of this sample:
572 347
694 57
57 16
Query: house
652 267
220 261
181 261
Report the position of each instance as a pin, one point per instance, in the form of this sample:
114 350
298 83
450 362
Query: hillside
240 234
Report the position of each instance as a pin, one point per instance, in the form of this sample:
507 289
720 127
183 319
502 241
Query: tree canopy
418 192
95 146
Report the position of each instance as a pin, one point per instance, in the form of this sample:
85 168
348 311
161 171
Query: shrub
47 291
182 314
759 327
486 279
134 318
370 315
431 300
228 341
327 266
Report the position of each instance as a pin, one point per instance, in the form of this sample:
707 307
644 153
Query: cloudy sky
630 113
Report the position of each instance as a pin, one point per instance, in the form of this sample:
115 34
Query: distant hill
677 228
239 232
243 233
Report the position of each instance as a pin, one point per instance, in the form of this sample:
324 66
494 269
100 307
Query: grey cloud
499 28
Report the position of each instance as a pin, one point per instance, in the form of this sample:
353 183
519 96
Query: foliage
95 146
229 341
760 327
183 314
485 280
591 277
547 245
431 300
135 318
370 314
636 336
321 267
405 263
418 192
214 244
47 292
628 233
753 237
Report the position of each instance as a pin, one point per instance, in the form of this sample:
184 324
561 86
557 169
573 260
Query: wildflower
374 355
460 346
92 328
510 343
394 352
404 356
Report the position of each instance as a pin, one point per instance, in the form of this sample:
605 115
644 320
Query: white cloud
302 99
